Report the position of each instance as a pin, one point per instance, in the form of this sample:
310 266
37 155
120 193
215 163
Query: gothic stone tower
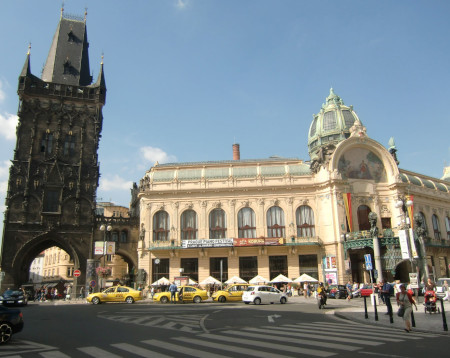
54 175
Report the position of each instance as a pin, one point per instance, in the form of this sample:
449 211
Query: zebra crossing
317 339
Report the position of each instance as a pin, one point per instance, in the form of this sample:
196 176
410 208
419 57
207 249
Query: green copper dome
331 125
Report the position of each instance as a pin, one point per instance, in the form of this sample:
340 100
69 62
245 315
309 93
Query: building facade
284 215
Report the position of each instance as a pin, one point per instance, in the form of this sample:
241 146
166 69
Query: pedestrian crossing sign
368 261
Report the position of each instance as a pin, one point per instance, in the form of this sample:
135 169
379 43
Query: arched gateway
53 180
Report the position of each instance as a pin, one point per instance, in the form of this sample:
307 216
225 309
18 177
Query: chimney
236 152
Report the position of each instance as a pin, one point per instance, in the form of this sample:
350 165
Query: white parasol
235 279
305 278
257 280
210 281
161 282
281 278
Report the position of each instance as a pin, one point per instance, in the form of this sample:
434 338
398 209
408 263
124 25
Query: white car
440 286
263 294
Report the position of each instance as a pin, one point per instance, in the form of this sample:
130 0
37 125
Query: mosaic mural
360 163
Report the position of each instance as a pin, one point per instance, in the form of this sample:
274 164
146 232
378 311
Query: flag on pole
348 209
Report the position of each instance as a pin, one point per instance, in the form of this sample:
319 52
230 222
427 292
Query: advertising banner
98 248
412 244
403 238
329 263
261 241
110 248
331 278
192 244
413 280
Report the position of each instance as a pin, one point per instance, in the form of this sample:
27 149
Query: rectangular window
160 270
308 264
190 268
278 265
214 268
248 267
51 200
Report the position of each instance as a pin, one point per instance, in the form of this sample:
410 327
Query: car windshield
440 282
11 292
249 289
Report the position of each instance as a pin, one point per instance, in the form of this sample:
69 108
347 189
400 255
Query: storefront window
248 267
190 268
160 270
308 264
214 268
278 265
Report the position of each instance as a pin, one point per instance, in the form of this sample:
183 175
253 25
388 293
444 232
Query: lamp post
105 228
406 238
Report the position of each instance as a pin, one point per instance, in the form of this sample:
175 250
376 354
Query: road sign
77 273
368 260
92 283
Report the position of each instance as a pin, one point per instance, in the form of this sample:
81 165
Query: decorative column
376 244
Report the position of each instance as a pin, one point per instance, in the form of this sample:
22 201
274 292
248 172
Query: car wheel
5 333
96 301
129 299
257 301
283 300
164 299
222 299
197 299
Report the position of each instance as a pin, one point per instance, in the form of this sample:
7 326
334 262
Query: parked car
11 322
337 291
184 294
115 294
263 294
13 298
232 293
440 286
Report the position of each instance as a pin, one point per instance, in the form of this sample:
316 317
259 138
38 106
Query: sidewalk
425 322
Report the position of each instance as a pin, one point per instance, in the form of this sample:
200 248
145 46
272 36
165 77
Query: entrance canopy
258 280
161 282
305 278
210 281
281 278
235 279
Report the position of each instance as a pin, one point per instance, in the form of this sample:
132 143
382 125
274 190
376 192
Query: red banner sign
261 241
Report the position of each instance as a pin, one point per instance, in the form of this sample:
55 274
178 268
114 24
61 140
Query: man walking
173 291
386 290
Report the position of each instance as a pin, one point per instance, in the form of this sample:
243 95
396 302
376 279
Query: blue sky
187 78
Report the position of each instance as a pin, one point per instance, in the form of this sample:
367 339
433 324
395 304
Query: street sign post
368 262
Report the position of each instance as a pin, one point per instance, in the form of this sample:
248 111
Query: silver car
263 294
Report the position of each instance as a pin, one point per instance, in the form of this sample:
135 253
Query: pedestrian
173 290
349 290
445 291
305 289
386 291
68 292
152 292
82 292
430 286
406 300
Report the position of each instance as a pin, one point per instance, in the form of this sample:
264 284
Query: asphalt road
208 330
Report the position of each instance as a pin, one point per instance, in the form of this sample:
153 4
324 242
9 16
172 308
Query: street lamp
105 229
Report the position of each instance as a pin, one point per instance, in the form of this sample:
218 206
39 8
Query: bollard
375 308
444 319
391 317
413 321
366 316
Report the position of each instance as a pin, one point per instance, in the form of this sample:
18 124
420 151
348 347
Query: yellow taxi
184 294
231 293
115 294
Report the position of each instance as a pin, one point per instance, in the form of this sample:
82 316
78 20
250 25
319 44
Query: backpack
391 290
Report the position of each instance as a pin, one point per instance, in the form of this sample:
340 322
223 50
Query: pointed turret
101 77
68 60
26 70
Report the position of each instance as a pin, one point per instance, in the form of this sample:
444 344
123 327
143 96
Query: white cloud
153 155
115 183
2 93
8 124
181 4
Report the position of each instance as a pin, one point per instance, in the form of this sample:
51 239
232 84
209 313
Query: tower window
47 143
69 145
51 201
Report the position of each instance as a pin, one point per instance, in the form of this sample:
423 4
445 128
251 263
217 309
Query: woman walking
406 300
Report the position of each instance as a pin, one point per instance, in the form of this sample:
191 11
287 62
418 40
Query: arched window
189 225
161 226
123 236
246 223
305 221
437 232
115 236
363 217
217 224
275 222
447 226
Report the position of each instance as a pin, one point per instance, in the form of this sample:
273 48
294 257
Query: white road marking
97 352
146 353
182 349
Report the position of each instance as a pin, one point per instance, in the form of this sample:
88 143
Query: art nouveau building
285 215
